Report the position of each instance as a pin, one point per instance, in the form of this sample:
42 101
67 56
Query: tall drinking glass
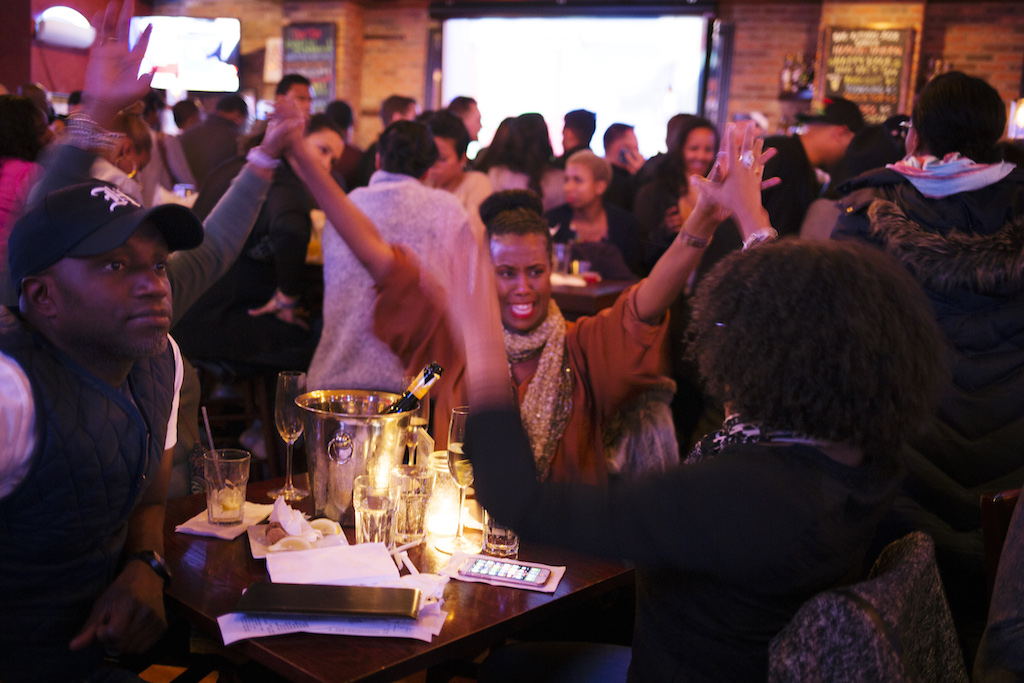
462 472
288 418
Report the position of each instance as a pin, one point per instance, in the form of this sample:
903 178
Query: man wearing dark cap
821 143
88 403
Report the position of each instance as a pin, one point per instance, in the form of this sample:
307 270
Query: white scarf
952 174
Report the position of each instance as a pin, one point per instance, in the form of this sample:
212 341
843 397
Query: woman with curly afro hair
827 356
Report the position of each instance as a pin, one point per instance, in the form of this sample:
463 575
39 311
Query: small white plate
258 540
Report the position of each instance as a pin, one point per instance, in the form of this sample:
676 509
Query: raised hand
735 182
284 129
111 75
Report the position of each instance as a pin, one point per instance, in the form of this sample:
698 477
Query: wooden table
210 574
577 301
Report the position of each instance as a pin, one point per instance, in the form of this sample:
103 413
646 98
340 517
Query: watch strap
155 562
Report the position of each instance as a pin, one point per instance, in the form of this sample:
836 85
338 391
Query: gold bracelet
693 240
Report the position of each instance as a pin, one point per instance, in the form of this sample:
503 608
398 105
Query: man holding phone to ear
622 151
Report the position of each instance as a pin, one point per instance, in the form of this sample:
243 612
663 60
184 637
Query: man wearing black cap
89 402
821 144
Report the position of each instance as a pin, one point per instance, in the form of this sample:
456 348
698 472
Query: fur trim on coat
985 264
641 437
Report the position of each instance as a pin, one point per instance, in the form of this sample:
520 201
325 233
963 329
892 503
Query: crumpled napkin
452 569
364 564
200 526
293 522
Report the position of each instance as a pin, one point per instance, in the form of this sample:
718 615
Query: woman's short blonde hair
599 168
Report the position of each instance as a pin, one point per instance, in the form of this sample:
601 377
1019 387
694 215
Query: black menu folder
315 600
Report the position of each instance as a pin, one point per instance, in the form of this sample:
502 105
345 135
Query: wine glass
462 472
288 418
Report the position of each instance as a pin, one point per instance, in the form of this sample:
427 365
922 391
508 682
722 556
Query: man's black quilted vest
62 529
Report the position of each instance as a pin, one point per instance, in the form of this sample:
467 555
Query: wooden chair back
996 512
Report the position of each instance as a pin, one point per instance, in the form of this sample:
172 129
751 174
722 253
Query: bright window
640 71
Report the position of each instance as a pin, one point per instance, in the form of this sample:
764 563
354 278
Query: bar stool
236 396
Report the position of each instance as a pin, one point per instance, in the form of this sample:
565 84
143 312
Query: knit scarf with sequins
548 401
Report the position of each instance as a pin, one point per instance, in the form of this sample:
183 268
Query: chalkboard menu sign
870 67
309 50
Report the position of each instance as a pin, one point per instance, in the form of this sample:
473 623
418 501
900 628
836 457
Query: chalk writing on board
309 50
870 67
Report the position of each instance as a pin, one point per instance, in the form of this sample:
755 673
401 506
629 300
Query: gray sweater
405 211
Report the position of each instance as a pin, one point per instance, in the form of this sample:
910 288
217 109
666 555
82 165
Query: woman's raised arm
732 188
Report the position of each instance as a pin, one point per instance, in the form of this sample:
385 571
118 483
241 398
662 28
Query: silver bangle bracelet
257 157
81 131
759 236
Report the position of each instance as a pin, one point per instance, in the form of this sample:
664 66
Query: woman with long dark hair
527 162
663 205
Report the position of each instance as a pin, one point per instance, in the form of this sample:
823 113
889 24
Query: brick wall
763 35
348 40
984 39
980 38
394 62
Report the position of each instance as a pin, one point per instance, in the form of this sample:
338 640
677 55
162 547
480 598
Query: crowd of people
821 348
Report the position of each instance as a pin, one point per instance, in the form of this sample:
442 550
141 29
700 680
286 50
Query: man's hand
284 129
633 160
284 308
673 219
112 79
129 616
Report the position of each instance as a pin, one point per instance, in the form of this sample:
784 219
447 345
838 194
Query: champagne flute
288 418
462 472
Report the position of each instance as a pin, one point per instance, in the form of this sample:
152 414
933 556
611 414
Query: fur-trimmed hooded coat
967 251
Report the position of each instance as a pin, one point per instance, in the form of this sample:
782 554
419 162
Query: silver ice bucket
347 436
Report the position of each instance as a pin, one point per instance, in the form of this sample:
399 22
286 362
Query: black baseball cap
87 220
837 112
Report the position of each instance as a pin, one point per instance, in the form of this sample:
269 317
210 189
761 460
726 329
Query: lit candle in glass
443 511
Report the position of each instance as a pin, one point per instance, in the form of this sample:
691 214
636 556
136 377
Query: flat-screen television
190 53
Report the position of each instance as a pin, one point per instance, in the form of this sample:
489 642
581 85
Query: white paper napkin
452 569
293 522
364 564
200 526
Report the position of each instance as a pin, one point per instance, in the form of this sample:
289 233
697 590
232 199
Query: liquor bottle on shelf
410 400
807 77
796 74
786 77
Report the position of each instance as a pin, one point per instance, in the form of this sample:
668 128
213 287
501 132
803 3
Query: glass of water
413 486
374 505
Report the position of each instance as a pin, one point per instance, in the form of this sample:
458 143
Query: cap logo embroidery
114 196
